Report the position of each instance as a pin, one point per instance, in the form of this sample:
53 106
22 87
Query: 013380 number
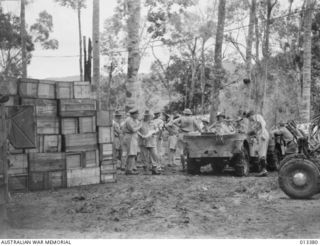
309 242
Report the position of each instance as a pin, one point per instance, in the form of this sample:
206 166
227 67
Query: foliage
74 4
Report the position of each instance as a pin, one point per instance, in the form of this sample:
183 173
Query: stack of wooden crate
105 139
67 152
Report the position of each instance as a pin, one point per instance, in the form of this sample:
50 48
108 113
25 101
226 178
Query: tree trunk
133 24
306 87
193 73
96 47
218 61
80 41
23 39
202 76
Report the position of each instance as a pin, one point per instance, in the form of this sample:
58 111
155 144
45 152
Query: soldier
159 123
258 128
173 131
205 123
220 126
286 137
130 140
117 142
148 142
187 124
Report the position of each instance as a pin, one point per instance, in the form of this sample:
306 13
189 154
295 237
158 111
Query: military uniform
158 122
173 131
117 142
288 139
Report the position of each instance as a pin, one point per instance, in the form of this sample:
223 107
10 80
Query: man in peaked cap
148 134
117 140
187 124
131 127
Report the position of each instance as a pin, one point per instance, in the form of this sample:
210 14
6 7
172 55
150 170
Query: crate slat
47 180
105 134
43 107
77 107
45 162
48 125
87 124
64 90
80 142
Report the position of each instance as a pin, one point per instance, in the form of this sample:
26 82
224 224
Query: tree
218 69
96 45
23 38
306 87
76 5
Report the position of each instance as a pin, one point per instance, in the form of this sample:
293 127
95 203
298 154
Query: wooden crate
91 158
45 162
49 143
82 90
83 176
43 107
74 160
3 194
107 167
105 118
47 89
106 151
28 88
9 86
87 124
13 100
48 125
105 134
64 90
108 177
47 180
80 142
108 162
69 126
18 164
77 107
18 183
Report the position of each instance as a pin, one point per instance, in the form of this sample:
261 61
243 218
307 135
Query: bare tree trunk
218 61
23 39
96 47
305 111
80 40
133 23
193 73
202 76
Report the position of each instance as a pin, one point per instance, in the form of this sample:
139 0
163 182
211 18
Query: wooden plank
13 100
64 90
48 125
105 134
82 90
45 162
106 151
91 158
28 88
13 150
108 168
105 118
75 160
43 107
69 126
87 124
107 162
83 176
47 89
108 178
9 86
47 180
80 142
50 143
77 107
18 183
18 164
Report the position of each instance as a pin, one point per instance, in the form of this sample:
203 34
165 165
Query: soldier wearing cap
117 141
187 124
220 126
286 137
173 131
131 127
148 142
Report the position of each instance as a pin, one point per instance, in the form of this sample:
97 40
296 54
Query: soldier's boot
264 171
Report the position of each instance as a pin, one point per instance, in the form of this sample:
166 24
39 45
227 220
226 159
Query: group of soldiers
143 139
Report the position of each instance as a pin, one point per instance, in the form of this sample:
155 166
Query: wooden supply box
48 125
43 107
47 180
106 151
105 134
77 107
33 88
76 160
47 89
45 162
9 86
87 124
108 176
83 176
69 126
49 143
108 166
64 90
105 118
82 90
13 101
80 142
18 164
18 183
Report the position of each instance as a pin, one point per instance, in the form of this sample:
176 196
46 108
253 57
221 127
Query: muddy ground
173 205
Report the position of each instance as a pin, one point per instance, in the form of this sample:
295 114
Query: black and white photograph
159 119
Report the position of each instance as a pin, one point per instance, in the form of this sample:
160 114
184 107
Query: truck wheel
273 160
193 167
242 166
299 178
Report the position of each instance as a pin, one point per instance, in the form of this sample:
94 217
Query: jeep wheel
299 178
193 167
273 160
242 166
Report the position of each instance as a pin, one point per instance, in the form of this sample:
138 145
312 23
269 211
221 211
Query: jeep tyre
242 167
193 167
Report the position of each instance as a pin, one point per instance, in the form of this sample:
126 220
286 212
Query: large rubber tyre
218 167
308 183
242 167
193 167
273 160
291 157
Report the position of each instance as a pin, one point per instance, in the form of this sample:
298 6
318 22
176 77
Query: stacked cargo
105 139
67 152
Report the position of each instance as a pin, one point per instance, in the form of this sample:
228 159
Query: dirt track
174 205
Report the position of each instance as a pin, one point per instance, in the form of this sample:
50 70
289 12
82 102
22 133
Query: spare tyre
299 178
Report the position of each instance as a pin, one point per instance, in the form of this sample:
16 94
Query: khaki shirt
187 124
146 128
